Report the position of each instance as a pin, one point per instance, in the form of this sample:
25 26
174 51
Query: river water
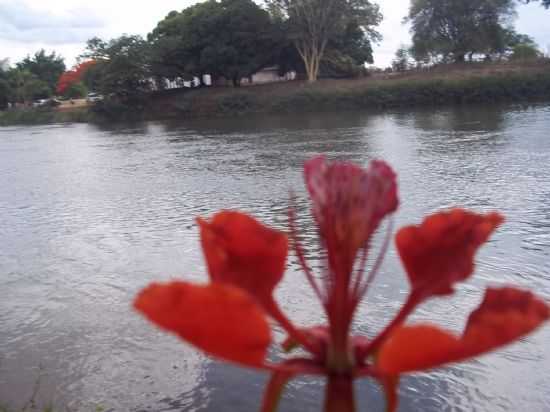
89 215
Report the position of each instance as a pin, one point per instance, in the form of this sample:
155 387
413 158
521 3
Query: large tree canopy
71 78
345 55
314 24
229 38
452 29
32 78
121 67
25 86
46 67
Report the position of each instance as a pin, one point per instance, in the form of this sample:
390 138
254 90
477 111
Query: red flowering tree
246 260
72 77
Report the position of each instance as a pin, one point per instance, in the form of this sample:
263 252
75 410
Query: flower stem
293 332
339 395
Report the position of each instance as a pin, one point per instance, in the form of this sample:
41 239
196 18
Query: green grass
37 116
359 95
411 93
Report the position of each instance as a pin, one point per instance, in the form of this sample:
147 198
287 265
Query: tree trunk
311 54
311 69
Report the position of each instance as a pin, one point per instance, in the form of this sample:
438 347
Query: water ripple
90 215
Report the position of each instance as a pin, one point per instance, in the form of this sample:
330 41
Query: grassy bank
450 85
35 116
345 95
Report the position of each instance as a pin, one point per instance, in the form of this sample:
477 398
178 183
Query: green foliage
122 72
230 38
45 67
524 52
446 30
119 110
5 90
25 86
336 64
401 61
346 53
76 91
92 77
36 89
313 25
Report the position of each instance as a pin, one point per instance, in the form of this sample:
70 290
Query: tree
230 38
346 53
5 89
24 86
401 61
313 24
72 77
121 68
524 52
76 90
453 29
46 67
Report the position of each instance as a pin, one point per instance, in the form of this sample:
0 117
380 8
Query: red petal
440 252
504 316
349 202
244 253
220 319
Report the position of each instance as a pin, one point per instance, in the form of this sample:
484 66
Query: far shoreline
444 86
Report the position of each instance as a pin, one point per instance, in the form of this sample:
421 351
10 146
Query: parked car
94 97
46 103
39 102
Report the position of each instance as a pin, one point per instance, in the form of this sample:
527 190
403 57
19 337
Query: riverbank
448 85
37 116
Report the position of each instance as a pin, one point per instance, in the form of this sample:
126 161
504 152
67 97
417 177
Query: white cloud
64 25
393 30
20 22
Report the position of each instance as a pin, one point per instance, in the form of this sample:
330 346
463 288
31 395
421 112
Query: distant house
180 83
269 75
5 64
263 76
266 75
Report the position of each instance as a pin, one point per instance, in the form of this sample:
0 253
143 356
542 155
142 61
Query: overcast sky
65 25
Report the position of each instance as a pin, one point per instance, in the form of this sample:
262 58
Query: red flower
68 78
246 260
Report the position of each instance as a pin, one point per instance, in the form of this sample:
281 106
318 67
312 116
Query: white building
5 64
269 75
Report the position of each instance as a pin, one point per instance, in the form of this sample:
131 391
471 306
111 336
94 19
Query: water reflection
92 213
